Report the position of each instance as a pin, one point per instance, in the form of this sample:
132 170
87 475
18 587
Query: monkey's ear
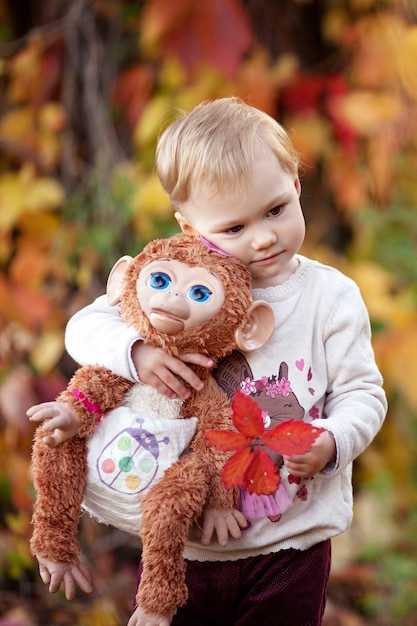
114 281
258 329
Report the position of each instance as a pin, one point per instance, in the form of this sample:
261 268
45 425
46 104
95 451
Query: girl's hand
166 373
322 452
62 423
139 618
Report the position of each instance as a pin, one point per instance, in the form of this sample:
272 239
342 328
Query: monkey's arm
59 473
169 510
214 412
92 392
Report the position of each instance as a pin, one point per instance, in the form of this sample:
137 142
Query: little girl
231 173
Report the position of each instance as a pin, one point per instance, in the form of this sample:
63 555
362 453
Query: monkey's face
194 321
176 297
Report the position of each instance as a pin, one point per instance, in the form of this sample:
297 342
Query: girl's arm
98 335
356 404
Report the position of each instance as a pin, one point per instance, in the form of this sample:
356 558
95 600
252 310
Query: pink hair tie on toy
90 406
212 246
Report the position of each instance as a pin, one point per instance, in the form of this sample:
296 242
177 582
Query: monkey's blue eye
159 280
199 293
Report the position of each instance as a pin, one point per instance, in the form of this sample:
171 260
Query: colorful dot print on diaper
129 462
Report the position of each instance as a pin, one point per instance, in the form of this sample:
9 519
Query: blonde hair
215 144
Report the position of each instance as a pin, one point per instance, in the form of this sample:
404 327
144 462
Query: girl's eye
159 280
235 229
199 293
276 210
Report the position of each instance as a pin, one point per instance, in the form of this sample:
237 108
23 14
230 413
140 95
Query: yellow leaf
376 286
101 612
12 201
47 351
53 117
334 24
400 366
40 230
22 193
208 84
376 43
151 120
172 74
347 182
25 71
18 125
311 136
257 83
151 198
44 194
368 112
159 18
407 61
48 148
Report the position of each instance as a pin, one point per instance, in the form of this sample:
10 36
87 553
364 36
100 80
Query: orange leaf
291 437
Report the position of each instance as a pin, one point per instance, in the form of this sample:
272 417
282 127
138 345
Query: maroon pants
287 588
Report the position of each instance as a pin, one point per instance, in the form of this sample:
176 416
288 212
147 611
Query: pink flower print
314 413
302 493
284 386
248 386
271 390
293 479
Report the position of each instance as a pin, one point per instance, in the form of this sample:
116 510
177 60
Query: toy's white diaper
128 452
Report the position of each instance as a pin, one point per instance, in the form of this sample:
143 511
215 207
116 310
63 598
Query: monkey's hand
62 423
222 522
70 574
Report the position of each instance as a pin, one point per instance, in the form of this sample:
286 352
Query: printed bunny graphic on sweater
278 403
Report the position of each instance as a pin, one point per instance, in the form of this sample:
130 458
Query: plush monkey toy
184 297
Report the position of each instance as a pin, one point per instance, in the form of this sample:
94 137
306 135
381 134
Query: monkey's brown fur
177 500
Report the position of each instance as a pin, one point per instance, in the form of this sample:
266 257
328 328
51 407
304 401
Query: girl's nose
263 238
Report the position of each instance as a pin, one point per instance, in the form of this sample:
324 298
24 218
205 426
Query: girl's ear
297 184
115 279
184 225
258 329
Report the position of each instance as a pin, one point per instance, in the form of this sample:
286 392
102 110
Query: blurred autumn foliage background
85 87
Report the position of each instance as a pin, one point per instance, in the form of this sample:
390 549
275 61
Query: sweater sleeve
355 403
97 335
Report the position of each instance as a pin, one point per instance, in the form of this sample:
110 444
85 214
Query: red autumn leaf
233 474
291 437
226 440
261 475
251 467
131 91
247 416
214 32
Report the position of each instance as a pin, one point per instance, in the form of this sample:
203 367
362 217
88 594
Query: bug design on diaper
129 462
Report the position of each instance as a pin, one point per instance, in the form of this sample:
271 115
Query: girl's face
262 225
